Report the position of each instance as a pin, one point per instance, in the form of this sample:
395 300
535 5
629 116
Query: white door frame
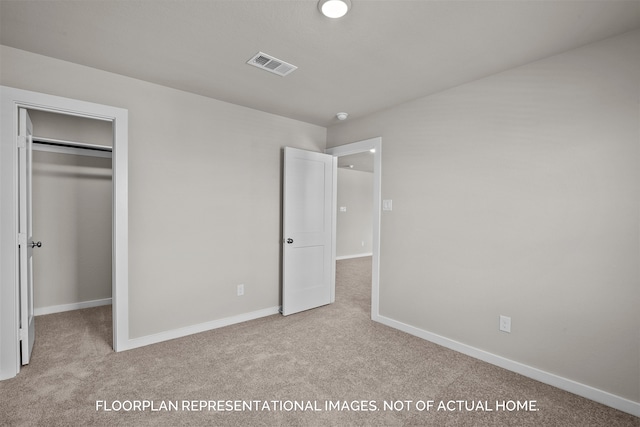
10 100
355 148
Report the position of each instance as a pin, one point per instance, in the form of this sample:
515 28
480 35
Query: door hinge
23 334
22 239
22 141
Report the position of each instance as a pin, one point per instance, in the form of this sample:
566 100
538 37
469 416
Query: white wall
519 194
204 192
353 228
71 216
71 128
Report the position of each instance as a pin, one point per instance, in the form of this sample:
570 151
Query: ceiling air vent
271 64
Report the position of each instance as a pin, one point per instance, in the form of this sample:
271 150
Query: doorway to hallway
367 152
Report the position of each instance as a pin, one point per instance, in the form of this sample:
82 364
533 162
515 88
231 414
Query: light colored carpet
333 353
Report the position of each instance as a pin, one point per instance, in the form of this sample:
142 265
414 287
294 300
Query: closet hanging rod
63 143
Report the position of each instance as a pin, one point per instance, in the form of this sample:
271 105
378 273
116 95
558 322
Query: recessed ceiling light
334 8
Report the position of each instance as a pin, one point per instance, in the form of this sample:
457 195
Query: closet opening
17 243
72 208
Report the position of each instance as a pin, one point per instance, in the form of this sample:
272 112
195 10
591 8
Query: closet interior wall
72 216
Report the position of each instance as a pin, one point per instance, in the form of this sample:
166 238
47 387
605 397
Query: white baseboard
68 307
338 258
571 386
201 327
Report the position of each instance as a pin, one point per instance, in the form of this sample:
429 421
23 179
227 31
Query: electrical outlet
240 290
505 323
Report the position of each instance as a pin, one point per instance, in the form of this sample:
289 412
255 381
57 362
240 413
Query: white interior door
25 235
307 227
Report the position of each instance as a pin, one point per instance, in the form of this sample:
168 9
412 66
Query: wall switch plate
343 208
387 205
505 323
240 290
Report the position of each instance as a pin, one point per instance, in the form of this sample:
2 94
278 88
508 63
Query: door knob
289 240
36 244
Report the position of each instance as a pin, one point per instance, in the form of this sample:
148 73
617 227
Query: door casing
10 100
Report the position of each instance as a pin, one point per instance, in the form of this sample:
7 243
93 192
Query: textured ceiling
381 54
